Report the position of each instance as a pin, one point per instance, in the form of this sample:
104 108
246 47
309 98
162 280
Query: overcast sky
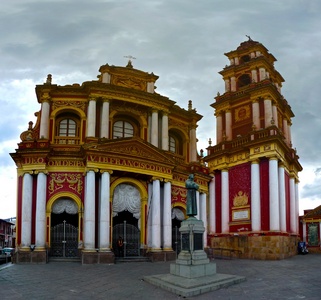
181 41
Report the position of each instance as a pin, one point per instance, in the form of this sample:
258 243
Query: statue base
193 273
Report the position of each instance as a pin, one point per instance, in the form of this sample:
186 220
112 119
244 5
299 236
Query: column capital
273 157
102 171
95 170
255 161
41 171
105 99
167 180
92 98
45 98
157 178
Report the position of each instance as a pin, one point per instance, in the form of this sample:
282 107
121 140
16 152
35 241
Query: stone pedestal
192 274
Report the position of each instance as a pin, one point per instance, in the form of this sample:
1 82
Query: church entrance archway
64 229
177 218
126 220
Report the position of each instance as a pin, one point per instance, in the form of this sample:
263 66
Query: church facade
106 159
254 190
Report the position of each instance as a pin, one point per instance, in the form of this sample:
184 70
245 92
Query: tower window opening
244 80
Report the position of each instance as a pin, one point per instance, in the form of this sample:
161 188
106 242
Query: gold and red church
253 196
108 159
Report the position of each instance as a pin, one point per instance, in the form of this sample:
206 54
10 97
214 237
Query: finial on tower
249 37
129 64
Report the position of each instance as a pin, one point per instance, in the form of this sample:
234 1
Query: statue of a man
192 187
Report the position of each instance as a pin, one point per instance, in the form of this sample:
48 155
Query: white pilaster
228 125
233 84
167 218
227 85
44 121
154 129
149 216
165 131
91 118
293 212
256 114
156 219
104 124
285 130
219 128
104 212
267 112
254 75
274 195
26 215
262 74
198 205
41 211
225 202
212 206
275 115
89 212
203 216
193 149
282 202
297 206
255 196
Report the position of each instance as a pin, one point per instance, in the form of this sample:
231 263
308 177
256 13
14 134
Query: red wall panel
265 194
218 201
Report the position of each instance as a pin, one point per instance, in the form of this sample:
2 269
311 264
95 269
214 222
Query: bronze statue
192 187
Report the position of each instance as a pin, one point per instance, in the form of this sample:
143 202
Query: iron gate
131 237
176 240
64 240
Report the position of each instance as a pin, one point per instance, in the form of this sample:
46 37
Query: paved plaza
298 277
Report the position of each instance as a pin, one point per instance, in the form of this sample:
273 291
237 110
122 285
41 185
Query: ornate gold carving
129 82
241 199
58 180
78 104
242 113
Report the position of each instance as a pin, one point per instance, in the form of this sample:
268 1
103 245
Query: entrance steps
65 259
132 259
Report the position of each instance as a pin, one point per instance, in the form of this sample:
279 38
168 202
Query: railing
267 133
66 140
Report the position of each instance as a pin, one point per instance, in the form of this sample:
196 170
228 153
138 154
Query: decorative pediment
133 148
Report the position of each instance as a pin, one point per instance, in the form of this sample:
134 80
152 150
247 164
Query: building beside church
106 159
310 229
253 196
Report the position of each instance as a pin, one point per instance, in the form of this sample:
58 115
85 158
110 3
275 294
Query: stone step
65 259
131 259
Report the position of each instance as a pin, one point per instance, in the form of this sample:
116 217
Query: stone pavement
298 277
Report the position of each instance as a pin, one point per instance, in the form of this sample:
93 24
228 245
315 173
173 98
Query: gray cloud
181 41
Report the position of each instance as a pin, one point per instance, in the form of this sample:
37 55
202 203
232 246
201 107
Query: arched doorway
177 218
64 229
126 220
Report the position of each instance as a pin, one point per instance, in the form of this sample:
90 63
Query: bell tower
254 191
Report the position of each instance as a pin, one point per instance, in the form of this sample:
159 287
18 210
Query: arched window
122 129
67 127
175 143
172 144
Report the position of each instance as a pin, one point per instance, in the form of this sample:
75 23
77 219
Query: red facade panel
265 194
218 201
